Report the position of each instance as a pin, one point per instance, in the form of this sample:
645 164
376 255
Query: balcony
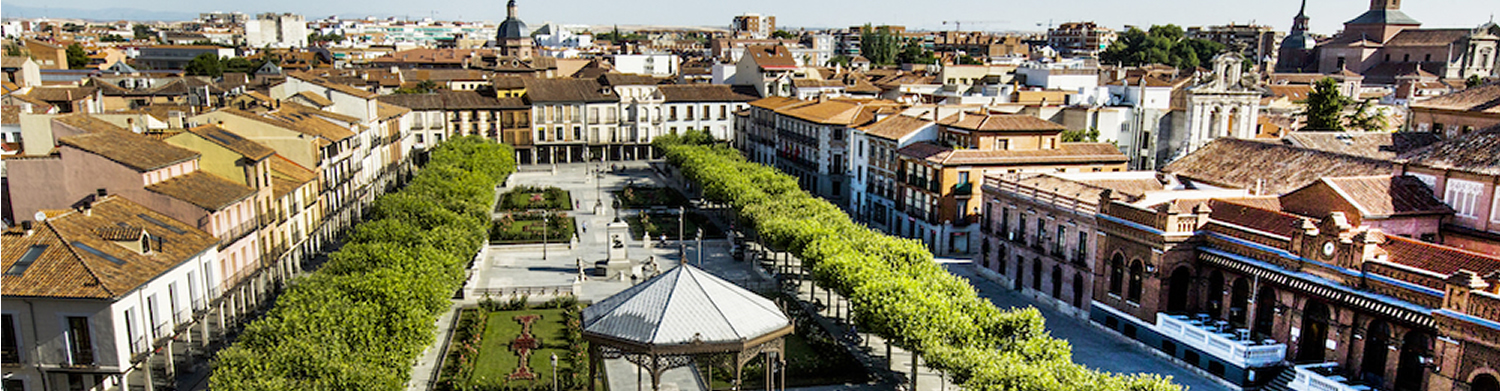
1214 337
238 232
964 189
1323 377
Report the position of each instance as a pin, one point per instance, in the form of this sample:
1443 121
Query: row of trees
360 321
895 288
1162 44
209 64
883 47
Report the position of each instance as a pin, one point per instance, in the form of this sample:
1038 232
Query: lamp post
700 246
545 222
681 246
554 371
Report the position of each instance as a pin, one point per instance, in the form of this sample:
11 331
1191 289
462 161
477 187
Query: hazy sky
1327 15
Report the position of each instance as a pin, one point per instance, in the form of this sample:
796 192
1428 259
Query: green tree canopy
1473 81
112 38
1162 44
143 31
879 45
206 64
783 34
77 57
1325 106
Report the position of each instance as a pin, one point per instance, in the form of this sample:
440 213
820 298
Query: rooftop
70 256
224 138
136 151
1065 153
1375 145
990 122
204 190
1477 152
1272 168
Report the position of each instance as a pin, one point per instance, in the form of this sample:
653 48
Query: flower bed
527 227
666 224
532 197
488 356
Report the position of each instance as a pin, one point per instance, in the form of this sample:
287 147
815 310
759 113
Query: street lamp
681 245
554 371
545 222
700 246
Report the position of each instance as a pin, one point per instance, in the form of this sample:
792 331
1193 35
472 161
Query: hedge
895 288
360 321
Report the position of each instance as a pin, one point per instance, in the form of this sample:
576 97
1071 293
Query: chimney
960 115
29 226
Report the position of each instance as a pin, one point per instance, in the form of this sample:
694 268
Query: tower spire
1301 12
510 9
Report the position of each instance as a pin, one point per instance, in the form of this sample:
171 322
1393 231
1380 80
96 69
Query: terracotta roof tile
1067 153
1000 123
287 176
1477 152
1375 145
314 98
136 151
1427 37
702 93
896 126
75 261
771 57
568 90
1275 168
205 190
1265 220
452 100
224 138
1482 99
1383 196
1437 258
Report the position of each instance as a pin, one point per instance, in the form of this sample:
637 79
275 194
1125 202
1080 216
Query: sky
990 15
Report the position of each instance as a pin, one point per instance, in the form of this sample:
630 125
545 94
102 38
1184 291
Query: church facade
1386 45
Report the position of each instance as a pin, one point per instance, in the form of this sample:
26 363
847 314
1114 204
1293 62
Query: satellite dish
40 216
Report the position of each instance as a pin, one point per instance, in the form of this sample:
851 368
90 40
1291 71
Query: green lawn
496 360
530 231
530 197
666 223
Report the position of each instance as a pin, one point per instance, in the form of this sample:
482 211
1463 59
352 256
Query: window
1463 196
27 258
689 113
11 353
1495 209
706 112
577 132
80 343
1116 274
1136 277
1002 144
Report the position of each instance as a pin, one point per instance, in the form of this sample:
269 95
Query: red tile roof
1437 258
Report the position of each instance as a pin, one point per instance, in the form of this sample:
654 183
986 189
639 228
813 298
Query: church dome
512 27
1298 41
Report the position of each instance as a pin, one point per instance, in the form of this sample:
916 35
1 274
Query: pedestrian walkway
1093 347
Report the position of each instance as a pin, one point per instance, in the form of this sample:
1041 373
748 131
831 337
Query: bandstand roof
685 309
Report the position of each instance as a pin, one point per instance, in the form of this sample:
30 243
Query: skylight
30 256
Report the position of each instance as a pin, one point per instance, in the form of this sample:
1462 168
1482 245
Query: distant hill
107 14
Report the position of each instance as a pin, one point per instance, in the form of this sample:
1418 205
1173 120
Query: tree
1367 118
840 60
1162 44
206 64
1325 106
143 31
1081 135
783 34
73 28
1473 81
913 53
969 60
879 45
239 65
77 57
112 38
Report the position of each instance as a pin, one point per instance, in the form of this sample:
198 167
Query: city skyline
1327 17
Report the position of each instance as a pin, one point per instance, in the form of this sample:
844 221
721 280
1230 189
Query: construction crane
958 25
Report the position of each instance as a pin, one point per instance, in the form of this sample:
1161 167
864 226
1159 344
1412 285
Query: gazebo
664 322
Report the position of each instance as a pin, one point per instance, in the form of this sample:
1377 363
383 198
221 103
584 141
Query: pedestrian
585 227
577 204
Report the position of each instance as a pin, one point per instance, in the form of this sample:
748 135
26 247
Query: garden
643 197
665 223
509 346
533 197
529 227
